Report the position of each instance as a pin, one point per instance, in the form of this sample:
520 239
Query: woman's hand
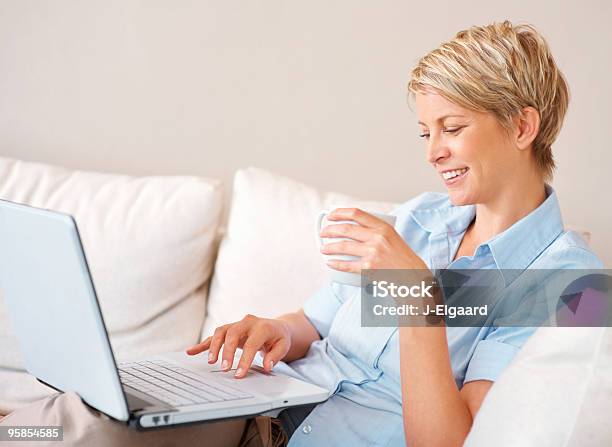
252 334
374 241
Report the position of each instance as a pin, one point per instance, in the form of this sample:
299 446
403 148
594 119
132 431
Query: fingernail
224 364
238 372
210 357
271 364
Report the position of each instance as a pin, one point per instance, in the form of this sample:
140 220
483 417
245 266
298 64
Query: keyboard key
175 385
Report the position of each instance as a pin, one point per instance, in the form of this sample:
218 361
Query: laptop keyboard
175 385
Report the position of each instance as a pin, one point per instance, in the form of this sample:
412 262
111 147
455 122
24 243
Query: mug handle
319 222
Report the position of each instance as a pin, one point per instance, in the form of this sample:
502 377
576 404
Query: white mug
352 279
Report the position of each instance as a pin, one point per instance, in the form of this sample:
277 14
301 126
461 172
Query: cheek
468 148
480 153
482 150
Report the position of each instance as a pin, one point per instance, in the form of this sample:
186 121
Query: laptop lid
53 309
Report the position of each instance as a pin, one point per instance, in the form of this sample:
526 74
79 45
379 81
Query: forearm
303 334
435 414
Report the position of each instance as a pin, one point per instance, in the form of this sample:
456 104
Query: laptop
54 311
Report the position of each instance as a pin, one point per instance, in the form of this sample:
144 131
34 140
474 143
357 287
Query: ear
527 127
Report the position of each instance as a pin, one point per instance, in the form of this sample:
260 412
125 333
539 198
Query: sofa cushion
269 262
150 244
557 391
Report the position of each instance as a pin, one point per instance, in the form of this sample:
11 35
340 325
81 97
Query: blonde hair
500 68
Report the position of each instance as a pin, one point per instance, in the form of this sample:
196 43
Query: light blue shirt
360 365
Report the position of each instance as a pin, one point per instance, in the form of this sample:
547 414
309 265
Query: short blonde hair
500 68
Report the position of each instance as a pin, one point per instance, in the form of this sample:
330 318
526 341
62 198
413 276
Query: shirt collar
515 248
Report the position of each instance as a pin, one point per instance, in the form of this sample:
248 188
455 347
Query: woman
490 104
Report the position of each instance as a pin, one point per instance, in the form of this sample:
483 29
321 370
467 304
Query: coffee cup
349 278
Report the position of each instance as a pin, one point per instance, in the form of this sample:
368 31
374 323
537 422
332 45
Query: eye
424 135
453 129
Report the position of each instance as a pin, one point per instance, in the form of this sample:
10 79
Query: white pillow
269 262
150 244
556 392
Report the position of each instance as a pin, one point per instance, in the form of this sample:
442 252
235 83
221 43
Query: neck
508 207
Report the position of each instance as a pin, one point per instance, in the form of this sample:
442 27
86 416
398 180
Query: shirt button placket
439 251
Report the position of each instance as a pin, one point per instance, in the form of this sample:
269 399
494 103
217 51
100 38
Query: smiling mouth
454 175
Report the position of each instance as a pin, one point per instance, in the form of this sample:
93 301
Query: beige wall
314 90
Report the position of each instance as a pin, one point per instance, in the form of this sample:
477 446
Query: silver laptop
54 312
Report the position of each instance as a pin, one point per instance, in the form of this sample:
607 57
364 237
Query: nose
436 151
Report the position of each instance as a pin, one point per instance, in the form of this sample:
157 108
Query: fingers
253 344
346 248
347 266
252 335
356 215
355 232
216 342
271 357
274 355
233 337
200 347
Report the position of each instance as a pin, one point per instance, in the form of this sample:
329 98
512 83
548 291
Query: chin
460 198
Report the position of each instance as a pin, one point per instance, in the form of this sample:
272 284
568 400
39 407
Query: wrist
286 329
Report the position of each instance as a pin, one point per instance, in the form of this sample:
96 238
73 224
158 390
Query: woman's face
471 151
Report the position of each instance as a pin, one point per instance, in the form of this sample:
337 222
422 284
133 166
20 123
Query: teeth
452 174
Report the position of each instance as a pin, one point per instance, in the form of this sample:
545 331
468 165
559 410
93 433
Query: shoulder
569 251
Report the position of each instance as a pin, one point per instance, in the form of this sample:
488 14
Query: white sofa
153 244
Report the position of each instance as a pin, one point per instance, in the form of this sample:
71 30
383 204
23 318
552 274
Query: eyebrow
444 117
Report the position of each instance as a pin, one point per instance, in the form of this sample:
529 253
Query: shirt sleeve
321 308
495 352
